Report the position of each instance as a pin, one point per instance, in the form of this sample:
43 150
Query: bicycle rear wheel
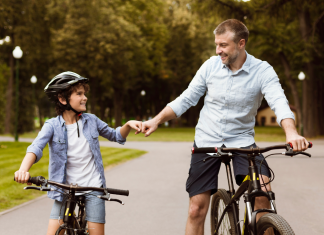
279 224
219 202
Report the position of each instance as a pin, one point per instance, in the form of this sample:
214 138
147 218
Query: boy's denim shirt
55 134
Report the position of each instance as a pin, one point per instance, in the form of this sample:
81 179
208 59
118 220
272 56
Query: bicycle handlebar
256 150
40 180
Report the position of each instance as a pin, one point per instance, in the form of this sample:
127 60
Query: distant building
266 117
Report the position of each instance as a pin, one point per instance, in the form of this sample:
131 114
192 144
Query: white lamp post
301 77
33 80
17 53
142 103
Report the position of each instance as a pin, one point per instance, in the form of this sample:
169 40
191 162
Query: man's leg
198 207
262 202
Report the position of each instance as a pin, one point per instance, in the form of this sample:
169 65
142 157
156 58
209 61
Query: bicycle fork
249 198
232 192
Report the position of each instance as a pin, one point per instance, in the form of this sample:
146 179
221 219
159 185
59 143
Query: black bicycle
224 207
74 224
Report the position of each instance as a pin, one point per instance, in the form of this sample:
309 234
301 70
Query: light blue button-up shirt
54 133
231 101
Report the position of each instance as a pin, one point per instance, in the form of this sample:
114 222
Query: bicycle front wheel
227 225
278 224
61 231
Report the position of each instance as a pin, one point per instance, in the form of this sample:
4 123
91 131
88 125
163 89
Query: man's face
226 48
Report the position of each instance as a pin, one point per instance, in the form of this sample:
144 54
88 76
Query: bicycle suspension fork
232 192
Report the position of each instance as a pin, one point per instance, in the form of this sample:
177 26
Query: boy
73 147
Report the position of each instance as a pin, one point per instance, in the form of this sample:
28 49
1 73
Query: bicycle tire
69 231
278 223
219 201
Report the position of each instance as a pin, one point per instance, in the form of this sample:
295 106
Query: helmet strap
78 114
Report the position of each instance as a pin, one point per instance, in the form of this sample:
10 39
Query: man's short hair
237 27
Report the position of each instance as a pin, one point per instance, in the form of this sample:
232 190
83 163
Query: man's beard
231 58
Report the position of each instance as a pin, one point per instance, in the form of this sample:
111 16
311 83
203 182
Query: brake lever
42 188
219 154
32 187
117 200
292 153
304 153
108 198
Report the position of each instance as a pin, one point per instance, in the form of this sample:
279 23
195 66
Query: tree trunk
118 105
9 97
293 88
309 118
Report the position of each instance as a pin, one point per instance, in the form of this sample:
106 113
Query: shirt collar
62 121
246 65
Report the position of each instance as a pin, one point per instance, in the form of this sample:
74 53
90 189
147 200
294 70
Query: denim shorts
94 207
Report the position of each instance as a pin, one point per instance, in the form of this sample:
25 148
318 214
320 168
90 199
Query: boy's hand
136 125
22 177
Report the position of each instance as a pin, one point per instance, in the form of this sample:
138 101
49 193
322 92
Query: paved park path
158 202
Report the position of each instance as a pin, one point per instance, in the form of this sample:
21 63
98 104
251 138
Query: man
235 84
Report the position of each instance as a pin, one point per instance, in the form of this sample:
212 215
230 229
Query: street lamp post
301 77
17 54
142 101
33 80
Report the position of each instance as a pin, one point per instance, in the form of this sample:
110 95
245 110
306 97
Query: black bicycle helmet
60 83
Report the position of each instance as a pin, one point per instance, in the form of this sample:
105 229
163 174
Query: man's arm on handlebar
150 126
22 175
299 142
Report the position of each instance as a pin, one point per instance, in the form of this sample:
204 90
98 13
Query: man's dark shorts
203 176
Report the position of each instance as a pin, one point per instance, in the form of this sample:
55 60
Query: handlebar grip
118 191
310 145
36 180
203 150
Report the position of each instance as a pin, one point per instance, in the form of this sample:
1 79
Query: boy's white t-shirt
80 168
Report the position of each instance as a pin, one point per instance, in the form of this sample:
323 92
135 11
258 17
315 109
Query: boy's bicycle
224 208
74 224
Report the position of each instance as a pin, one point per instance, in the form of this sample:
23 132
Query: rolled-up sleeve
109 133
192 94
274 94
41 140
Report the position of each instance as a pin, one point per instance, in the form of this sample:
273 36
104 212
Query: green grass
11 156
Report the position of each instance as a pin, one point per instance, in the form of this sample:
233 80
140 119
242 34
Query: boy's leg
53 225
95 213
96 228
198 207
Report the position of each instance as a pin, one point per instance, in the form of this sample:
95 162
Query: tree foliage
125 47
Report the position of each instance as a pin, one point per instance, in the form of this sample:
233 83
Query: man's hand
149 127
298 142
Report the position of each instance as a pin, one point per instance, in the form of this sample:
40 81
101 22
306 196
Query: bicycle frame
69 219
252 184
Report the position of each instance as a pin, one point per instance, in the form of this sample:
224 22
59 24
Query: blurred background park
139 55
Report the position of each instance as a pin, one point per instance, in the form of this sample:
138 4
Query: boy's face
78 99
